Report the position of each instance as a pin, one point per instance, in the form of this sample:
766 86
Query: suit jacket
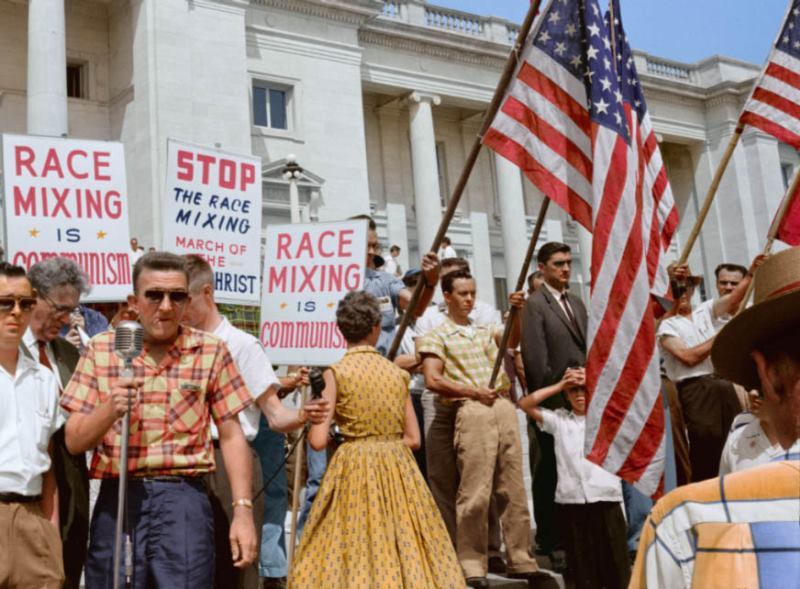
550 343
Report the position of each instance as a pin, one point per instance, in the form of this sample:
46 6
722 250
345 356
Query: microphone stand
122 496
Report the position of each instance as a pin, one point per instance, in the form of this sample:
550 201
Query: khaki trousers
440 458
30 549
489 460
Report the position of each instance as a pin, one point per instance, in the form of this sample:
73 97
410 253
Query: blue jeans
317 462
172 532
269 446
637 506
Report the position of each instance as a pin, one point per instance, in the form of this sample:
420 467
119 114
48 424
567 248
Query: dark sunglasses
26 304
176 297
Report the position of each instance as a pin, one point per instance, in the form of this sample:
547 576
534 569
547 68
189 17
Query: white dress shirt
748 446
255 368
579 481
692 330
557 294
29 415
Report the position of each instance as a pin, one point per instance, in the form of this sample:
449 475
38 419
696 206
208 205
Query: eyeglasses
26 304
60 309
176 297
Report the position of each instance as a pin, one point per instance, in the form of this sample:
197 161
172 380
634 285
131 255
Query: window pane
277 109
259 106
74 81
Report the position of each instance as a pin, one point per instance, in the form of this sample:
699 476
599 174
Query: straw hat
776 308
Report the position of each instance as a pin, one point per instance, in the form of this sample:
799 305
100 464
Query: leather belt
17 498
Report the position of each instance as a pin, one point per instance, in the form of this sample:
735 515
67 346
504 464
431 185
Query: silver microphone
128 343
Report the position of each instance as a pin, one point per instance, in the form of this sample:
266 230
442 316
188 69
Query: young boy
588 499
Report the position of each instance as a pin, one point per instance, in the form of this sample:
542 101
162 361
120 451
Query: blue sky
684 30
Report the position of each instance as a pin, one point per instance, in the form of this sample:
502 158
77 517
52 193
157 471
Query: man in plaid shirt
457 363
183 379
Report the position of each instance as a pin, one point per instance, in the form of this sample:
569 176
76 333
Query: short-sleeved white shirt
29 416
481 314
692 330
748 446
255 368
579 481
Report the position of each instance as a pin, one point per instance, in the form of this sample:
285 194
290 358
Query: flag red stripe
539 82
783 74
789 230
550 185
777 101
670 226
771 127
550 136
646 446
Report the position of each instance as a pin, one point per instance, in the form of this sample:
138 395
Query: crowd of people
415 465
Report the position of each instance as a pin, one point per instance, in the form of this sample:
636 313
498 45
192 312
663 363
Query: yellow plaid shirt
467 351
169 433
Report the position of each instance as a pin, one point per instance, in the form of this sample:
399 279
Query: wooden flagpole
712 192
773 230
523 274
469 164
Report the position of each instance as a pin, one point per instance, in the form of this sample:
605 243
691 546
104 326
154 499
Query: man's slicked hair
459 263
200 272
370 221
551 248
12 271
730 268
449 279
159 262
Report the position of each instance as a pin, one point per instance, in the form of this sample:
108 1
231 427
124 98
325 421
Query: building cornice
353 12
435 43
287 42
405 79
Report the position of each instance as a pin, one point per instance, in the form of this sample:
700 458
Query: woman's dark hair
358 312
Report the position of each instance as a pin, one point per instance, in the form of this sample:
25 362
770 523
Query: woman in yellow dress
373 524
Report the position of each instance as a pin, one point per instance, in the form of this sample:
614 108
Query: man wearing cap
740 530
708 402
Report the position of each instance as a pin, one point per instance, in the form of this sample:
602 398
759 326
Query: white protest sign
307 270
212 207
68 197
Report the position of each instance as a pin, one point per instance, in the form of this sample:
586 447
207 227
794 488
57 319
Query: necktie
45 361
568 311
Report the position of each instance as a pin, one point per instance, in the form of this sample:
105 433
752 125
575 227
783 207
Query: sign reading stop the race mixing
212 207
307 271
68 197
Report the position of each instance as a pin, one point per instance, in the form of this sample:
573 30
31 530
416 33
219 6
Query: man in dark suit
59 283
553 339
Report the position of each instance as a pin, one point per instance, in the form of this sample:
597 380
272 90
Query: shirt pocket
187 407
44 421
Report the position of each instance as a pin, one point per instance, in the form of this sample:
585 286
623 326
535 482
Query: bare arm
50 490
430 275
530 403
282 419
85 431
729 304
239 467
318 433
689 356
411 435
436 381
515 299
409 362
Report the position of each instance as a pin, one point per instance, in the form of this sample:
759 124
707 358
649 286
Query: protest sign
307 270
212 208
68 197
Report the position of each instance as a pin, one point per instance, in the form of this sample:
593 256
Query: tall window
76 83
270 106
787 170
441 165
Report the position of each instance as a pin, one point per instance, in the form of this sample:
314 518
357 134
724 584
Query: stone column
427 199
482 257
512 217
47 68
398 234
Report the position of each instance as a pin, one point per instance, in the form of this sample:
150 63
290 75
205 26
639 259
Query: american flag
576 124
774 105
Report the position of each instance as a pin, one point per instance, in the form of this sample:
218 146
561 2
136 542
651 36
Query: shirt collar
24 364
361 350
28 339
556 293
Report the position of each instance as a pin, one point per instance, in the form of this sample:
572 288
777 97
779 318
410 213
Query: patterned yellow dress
373 524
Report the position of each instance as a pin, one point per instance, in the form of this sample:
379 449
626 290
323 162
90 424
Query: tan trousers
440 458
489 460
30 549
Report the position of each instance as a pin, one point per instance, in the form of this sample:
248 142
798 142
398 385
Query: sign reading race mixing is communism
68 197
307 271
212 208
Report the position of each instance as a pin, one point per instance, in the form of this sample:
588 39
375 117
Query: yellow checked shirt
169 434
468 353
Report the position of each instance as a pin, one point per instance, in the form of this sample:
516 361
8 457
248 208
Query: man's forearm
238 459
447 388
729 304
84 432
280 418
